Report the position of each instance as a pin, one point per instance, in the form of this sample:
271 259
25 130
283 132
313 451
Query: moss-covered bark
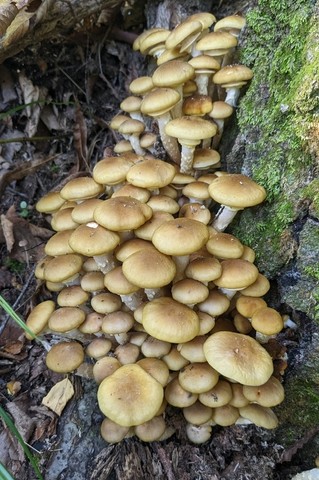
278 122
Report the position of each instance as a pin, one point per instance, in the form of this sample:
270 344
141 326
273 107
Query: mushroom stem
133 300
187 157
232 95
223 217
181 262
135 142
105 262
169 143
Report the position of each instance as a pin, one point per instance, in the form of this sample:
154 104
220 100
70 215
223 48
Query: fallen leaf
8 11
58 396
7 229
17 28
14 347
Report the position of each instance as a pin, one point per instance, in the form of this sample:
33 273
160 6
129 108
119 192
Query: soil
80 84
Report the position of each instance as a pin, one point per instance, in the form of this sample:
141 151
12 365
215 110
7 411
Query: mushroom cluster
147 285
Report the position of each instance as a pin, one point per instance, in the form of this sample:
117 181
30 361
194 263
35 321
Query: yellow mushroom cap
39 316
180 236
236 191
238 357
149 268
130 396
64 357
122 213
168 320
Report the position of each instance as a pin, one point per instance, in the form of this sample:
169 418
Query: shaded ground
73 90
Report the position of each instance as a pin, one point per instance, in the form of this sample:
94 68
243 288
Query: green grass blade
13 429
4 474
7 308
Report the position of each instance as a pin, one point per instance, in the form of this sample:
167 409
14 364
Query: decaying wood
51 20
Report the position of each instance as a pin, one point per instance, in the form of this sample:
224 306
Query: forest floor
63 97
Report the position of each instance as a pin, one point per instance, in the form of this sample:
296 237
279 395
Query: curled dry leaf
58 396
7 230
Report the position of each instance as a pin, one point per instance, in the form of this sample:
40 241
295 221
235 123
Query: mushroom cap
61 268
232 24
189 291
122 213
149 268
72 296
58 244
131 127
180 236
183 31
204 269
219 395
236 191
62 220
147 230
232 75
267 321
131 104
269 394
83 212
221 110
168 320
190 129
81 188
64 319
198 377
111 170
218 42
92 239
128 190
130 396
141 37
237 274
37 320
247 306
224 245
259 288
205 158
51 202
261 416
204 64
151 174
154 38
173 73
238 357
197 105
64 357
159 101
116 282
141 85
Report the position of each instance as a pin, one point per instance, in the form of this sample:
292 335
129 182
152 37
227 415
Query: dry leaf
17 28
14 347
58 396
8 11
7 230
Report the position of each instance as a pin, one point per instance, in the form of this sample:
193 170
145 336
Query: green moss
277 114
300 410
311 192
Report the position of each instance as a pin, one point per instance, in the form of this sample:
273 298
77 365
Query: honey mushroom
142 272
